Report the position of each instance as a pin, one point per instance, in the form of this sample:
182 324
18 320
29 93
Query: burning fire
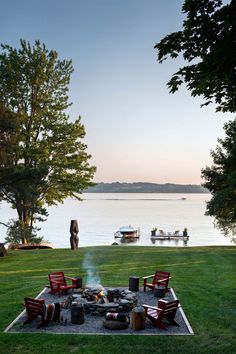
101 297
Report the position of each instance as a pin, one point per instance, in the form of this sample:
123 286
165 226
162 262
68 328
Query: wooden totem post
74 230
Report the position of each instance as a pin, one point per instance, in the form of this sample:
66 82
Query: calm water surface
101 214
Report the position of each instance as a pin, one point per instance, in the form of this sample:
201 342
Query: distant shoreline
145 187
88 191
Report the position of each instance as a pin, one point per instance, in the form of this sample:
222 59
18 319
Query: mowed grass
203 279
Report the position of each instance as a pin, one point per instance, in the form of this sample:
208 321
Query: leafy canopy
207 42
220 179
42 157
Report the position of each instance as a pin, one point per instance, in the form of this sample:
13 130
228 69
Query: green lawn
203 279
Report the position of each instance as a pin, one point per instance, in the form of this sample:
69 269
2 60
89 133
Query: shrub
17 232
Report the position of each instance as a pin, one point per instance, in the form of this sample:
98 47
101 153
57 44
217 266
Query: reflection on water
132 241
177 242
100 215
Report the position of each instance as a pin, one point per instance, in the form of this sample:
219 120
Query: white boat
127 232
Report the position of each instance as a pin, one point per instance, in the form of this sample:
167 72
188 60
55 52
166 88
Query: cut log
138 318
79 282
134 283
77 313
159 291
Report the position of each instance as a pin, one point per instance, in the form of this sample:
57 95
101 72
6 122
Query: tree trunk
23 215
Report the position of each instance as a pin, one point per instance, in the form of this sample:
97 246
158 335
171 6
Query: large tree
42 157
207 42
220 179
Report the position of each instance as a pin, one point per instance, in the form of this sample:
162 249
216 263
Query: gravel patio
93 324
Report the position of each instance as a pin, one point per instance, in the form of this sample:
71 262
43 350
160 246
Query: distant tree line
144 187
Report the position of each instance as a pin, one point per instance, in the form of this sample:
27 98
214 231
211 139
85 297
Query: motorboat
127 233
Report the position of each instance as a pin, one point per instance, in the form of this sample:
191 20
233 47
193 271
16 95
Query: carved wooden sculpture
74 230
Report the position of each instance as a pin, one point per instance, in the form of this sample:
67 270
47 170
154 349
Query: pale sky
136 130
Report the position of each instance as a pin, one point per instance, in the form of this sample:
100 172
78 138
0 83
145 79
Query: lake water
100 215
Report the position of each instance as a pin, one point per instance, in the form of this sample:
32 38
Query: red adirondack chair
58 282
159 278
164 310
34 308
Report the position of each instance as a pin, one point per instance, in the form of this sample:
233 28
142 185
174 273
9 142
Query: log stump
79 282
159 291
77 313
138 318
134 283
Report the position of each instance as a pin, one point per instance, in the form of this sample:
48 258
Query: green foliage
17 231
208 43
220 179
42 157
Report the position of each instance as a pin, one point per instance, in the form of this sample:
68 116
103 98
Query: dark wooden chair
58 283
34 308
164 310
158 279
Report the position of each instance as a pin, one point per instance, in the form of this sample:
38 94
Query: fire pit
92 324
99 300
